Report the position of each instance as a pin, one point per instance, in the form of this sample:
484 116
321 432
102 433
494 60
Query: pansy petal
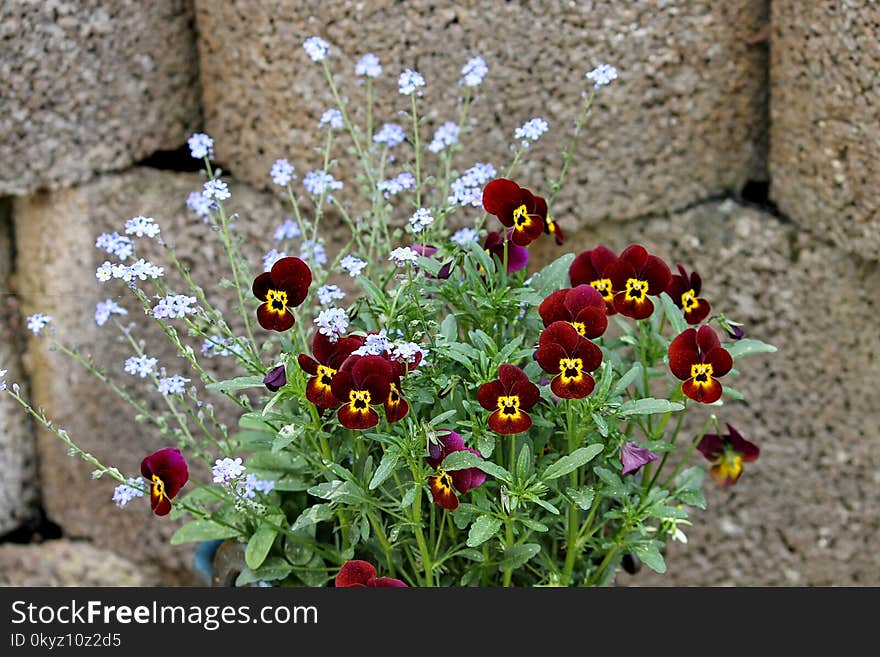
500 193
294 277
633 457
722 476
561 333
308 364
509 424
594 320
342 384
517 258
683 353
657 273
707 339
747 450
589 353
443 492
711 446
552 308
632 307
355 573
510 374
488 394
262 285
321 394
698 313
636 255
273 321
619 272
389 582
573 388
705 393
357 418
395 409
160 505
528 393
451 441
548 357
720 360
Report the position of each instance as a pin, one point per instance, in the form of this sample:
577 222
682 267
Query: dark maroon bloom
444 484
569 357
362 574
509 397
685 292
516 208
166 473
396 407
634 457
589 268
583 307
697 358
517 256
275 379
636 275
282 288
727 454
553 228
328 357
361 383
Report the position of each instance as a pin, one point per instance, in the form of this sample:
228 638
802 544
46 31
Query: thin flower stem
508 528
418 151
362 156
687 457
568 153
573 520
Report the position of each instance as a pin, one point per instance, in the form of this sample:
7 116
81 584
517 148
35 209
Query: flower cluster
419 395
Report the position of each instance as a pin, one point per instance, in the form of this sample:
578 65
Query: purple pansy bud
634 457
275 379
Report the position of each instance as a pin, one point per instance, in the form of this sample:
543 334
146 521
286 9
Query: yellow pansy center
636 290
689 301
730 466
158 487
521 217
604 287
359 401
276 301
508 404
571 369
444 481
393 395
580 328
701 373
325 376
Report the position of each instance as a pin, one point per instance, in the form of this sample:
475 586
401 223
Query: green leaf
534 525
626 380
386 467
287 435
484 528
692 498
544 504
601 424
335 491
478 253
651 557
553 277
524 463
238 383
747 347
312 516
202 530
517 555
690 478
463 459
673 313
614 486
274 568
259 545
648 406
571 462
449 328
473 555
583 497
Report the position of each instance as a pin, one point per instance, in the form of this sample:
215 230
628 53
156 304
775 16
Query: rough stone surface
92 86
806 512
18 483
70 563
825 139
58 278
684 121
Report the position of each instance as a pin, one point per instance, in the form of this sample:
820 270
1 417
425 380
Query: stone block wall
95 88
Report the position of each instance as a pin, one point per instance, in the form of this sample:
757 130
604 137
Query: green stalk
573 520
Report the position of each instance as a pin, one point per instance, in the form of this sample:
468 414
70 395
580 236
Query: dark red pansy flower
588 268
509 397
517 256
563 352
396 407
361 383
275 379
583 307
697 358
636 275
328 357
362 574
553 228
727 454
517 208
282 288
685 292
444 484
166 473
633 457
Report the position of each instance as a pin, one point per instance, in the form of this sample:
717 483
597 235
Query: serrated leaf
259 545
747 347
463 459
553 277
583 497
651 557
238 383
571 462
202 530
483 528
673 313
517 555
386 467
648 406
